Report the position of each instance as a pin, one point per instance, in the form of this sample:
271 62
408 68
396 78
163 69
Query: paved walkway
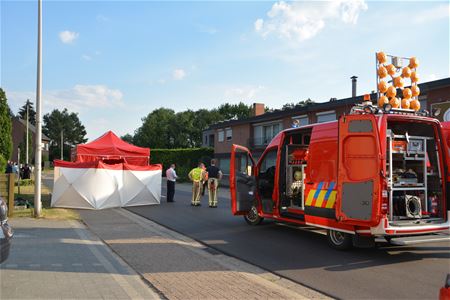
53 259
181 268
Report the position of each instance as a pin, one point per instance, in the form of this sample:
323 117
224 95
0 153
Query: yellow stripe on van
331 200
320 198
310 197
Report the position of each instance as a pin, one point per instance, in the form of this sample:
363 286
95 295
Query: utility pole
26 147
38 156
62 144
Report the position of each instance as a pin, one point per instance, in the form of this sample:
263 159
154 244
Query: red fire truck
377 172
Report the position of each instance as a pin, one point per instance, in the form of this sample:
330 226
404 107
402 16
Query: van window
266 174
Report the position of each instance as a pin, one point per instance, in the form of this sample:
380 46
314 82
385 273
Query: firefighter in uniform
214 175
197 176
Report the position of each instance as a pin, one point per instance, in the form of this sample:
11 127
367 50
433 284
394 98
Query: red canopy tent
109 147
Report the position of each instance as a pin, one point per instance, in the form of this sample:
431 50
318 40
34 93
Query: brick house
257 131
19 127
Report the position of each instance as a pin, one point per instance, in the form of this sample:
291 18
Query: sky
113 62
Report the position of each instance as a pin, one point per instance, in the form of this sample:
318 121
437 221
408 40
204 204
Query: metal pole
38 156
18 170
62 144
26 147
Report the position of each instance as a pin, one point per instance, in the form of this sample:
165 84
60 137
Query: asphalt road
385 272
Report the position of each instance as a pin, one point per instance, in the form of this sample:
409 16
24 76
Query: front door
359 170
242 180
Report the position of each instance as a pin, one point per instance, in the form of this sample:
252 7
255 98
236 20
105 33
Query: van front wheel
339 240
252 217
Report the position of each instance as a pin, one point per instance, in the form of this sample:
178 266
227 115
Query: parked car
6 232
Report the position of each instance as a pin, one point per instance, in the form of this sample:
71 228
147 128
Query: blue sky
113 62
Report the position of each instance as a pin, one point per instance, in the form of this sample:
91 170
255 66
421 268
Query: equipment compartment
413 173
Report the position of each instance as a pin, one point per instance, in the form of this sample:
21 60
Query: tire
252 217
339 240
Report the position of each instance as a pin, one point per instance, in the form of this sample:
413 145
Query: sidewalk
181 268
58 259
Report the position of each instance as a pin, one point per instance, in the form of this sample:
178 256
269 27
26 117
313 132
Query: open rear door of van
446 133
359 171
242 180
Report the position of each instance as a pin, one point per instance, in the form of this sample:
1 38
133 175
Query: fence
7 190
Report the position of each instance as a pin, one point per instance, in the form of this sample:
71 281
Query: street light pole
26 146
38 156
62 144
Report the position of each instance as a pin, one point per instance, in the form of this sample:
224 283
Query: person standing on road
214 175
197 175
205 181
171 176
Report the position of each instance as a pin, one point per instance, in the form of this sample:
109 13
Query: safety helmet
382 86
394 102
391 92
406 72
405 103
382 101
415 90
413 62
381 57
415 104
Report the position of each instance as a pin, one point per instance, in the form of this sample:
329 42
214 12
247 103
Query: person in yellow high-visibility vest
197 176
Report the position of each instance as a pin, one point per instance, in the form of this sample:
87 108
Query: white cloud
68 37
303 20
101 18
248 92
76 99
178 74
436 13
86 57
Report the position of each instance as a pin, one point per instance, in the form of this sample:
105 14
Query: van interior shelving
414 174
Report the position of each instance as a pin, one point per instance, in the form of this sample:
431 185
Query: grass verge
27 193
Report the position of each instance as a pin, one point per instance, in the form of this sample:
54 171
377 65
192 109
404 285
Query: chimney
354 81
257 109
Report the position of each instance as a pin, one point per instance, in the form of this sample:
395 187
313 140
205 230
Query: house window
221 136
263 134
229 133
326 116
303 120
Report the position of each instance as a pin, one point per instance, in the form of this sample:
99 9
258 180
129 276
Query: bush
3 163
184 159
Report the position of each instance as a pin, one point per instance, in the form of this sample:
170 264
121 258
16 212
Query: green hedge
3 163
184 159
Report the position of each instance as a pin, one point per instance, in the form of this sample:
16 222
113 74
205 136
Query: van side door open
359 161
242 180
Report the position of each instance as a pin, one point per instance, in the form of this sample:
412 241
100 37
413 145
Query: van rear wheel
339 240
252 217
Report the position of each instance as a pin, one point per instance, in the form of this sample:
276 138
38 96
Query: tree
69 124
31 112
154 131
302 103
127 138
5 127
234 111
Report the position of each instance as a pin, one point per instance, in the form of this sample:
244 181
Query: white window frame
300 118
228 134
328 112
220 136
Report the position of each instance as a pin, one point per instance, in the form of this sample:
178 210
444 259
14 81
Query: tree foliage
31 112
5 127
73 130
163 128
302 103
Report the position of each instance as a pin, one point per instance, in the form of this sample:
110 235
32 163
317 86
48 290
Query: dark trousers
170 190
